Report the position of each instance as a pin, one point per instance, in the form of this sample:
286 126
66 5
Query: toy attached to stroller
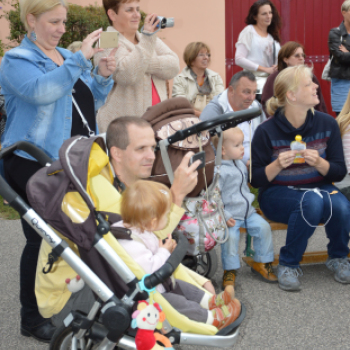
74 197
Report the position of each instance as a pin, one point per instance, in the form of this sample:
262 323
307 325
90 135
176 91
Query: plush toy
147 318
75 285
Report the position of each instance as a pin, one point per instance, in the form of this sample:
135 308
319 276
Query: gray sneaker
288 278
341 269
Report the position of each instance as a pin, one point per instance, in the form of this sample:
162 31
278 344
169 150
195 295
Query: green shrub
80 22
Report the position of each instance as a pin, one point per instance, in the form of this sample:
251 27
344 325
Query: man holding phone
131 145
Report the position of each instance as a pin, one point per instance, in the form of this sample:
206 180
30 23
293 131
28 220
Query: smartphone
108 40
201 157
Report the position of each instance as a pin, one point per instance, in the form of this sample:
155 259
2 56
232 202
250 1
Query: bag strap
163 145
83 119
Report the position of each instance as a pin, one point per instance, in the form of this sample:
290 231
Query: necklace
59 58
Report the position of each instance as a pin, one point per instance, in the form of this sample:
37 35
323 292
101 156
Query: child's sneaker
264 270
229 278
224 298
227 314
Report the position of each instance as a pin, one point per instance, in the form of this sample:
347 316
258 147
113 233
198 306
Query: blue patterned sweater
320 132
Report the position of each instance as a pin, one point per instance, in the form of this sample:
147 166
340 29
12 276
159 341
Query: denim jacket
38 95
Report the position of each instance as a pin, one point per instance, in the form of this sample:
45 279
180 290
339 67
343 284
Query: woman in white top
258 43
196 82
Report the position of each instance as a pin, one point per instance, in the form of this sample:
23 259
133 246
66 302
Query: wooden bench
316 257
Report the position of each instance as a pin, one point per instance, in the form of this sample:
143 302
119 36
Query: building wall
195 20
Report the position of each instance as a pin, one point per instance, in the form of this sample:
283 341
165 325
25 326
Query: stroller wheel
63 340
204 264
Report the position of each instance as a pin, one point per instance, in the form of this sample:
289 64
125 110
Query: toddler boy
239 212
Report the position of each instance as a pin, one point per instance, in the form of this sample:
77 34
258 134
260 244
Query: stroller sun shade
70 174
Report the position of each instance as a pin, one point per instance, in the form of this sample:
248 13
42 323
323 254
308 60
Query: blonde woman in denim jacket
38 80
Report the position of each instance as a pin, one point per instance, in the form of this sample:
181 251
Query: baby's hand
231 222
168 244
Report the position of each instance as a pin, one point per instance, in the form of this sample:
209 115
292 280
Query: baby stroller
74 196
203 223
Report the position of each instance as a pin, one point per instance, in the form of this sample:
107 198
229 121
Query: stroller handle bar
5 190
171 264
228 119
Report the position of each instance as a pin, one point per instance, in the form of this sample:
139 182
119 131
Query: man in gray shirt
238 96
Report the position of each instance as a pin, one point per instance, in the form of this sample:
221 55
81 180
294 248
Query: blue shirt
38 95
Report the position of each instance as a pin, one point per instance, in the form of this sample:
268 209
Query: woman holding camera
196 82
38 80
291 54
259 42
295 187
144 63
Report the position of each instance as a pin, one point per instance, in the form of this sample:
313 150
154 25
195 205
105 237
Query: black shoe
42 332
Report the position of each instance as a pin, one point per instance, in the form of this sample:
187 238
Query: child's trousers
258 228
185 298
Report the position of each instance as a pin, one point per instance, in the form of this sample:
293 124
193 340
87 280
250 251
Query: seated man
238 96
131 145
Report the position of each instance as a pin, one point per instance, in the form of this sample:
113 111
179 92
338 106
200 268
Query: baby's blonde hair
143 201
215 139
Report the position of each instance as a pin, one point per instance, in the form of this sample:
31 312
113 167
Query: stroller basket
84 329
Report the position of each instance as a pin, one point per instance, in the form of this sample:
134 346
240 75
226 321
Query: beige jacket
131 94
185 86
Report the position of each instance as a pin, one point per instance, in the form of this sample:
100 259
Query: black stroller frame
111 328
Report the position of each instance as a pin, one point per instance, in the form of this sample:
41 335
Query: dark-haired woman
259 42
291 54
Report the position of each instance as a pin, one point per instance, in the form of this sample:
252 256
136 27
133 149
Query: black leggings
18 171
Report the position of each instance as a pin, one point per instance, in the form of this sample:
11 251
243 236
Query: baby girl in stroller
145 208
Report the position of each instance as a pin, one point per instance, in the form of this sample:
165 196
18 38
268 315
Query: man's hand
185 179
231 222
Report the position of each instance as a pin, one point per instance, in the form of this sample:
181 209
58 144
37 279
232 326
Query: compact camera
165 22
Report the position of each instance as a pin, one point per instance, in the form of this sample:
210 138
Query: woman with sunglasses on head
196 82
259 42
291 54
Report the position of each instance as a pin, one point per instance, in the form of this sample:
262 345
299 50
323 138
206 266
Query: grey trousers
185 298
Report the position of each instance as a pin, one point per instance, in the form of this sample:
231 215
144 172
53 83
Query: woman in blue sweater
301 195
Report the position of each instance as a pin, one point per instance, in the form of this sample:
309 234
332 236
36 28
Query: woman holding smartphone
38 80
143 63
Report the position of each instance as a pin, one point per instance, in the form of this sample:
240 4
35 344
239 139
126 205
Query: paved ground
315 318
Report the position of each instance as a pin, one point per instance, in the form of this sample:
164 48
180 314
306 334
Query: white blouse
253 51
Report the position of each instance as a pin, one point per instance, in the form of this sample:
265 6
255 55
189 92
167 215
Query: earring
32 36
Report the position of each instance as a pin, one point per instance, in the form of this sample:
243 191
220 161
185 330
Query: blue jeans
258 228
281 204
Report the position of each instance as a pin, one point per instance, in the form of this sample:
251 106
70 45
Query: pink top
147 253
155 95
